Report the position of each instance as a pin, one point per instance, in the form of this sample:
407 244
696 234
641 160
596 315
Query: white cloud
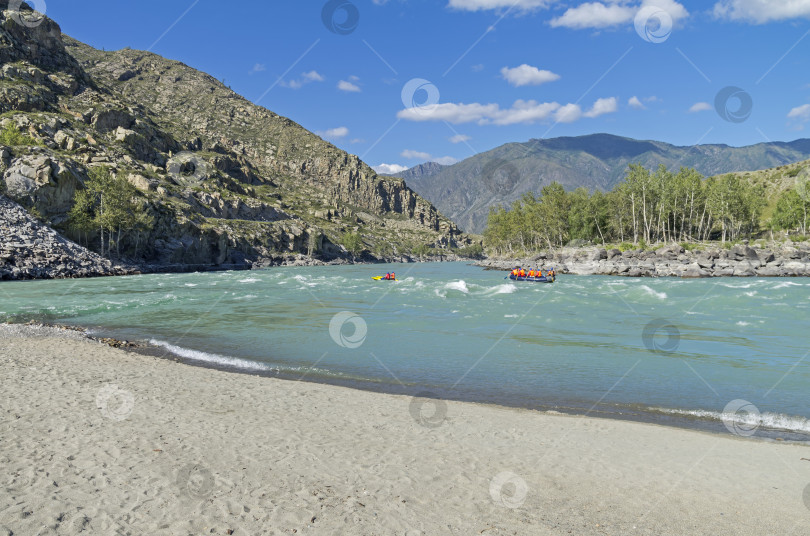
427 157
602 107
459 138
526 112
521 112
483 5
594 15
599 15
344 85
306 78
259 67
526 75
450 112
634 102
389 169
415 154
477 68
800 115
568 113
761 11
700 107
339 132
357 140
801 112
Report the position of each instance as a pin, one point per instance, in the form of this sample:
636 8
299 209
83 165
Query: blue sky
399 82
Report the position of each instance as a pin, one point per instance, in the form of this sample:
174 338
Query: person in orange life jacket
522 272
531 273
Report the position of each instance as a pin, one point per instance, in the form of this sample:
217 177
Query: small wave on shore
215 359
773 421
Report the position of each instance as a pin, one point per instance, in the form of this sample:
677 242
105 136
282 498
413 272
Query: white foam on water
749 285
204 357
742 323
510 316
651 292
787 284
460 286
751 294
249 280
190 285
777 421
506 288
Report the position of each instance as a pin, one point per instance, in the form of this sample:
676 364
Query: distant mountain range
465 191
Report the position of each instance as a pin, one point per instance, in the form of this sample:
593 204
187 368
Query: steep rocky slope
465 191
31 250
224 181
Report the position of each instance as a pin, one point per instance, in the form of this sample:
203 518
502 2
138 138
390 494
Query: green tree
109 204
353 242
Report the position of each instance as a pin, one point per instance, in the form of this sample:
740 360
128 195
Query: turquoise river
722 354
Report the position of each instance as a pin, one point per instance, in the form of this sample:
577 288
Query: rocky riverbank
30 249
770 260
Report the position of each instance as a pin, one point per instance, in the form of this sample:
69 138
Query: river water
705 353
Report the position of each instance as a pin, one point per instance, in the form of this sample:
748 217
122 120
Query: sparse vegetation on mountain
218 181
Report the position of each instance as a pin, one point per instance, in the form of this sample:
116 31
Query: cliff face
224 181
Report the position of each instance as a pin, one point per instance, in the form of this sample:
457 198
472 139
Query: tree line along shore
652 207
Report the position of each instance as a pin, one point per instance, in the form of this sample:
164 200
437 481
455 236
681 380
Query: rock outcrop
223 182
773 260
32 250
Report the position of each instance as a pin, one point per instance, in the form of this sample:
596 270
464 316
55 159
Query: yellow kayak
381 278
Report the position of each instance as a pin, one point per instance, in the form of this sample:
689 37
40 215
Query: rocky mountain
465 191
224 182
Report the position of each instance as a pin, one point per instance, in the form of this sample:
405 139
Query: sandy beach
95 440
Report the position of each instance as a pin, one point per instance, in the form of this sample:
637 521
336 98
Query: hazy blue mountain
465 191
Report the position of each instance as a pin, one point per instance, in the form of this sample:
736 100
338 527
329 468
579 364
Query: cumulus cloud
526 75
459 138
761 11
306 78
427 157
634 102
259 67
594 15
800 115
602 107
568 113
389 169
599 15
521 112
339 132
483 5
415 154
345 85
700 107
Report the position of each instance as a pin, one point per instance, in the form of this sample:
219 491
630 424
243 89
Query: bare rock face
42 183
